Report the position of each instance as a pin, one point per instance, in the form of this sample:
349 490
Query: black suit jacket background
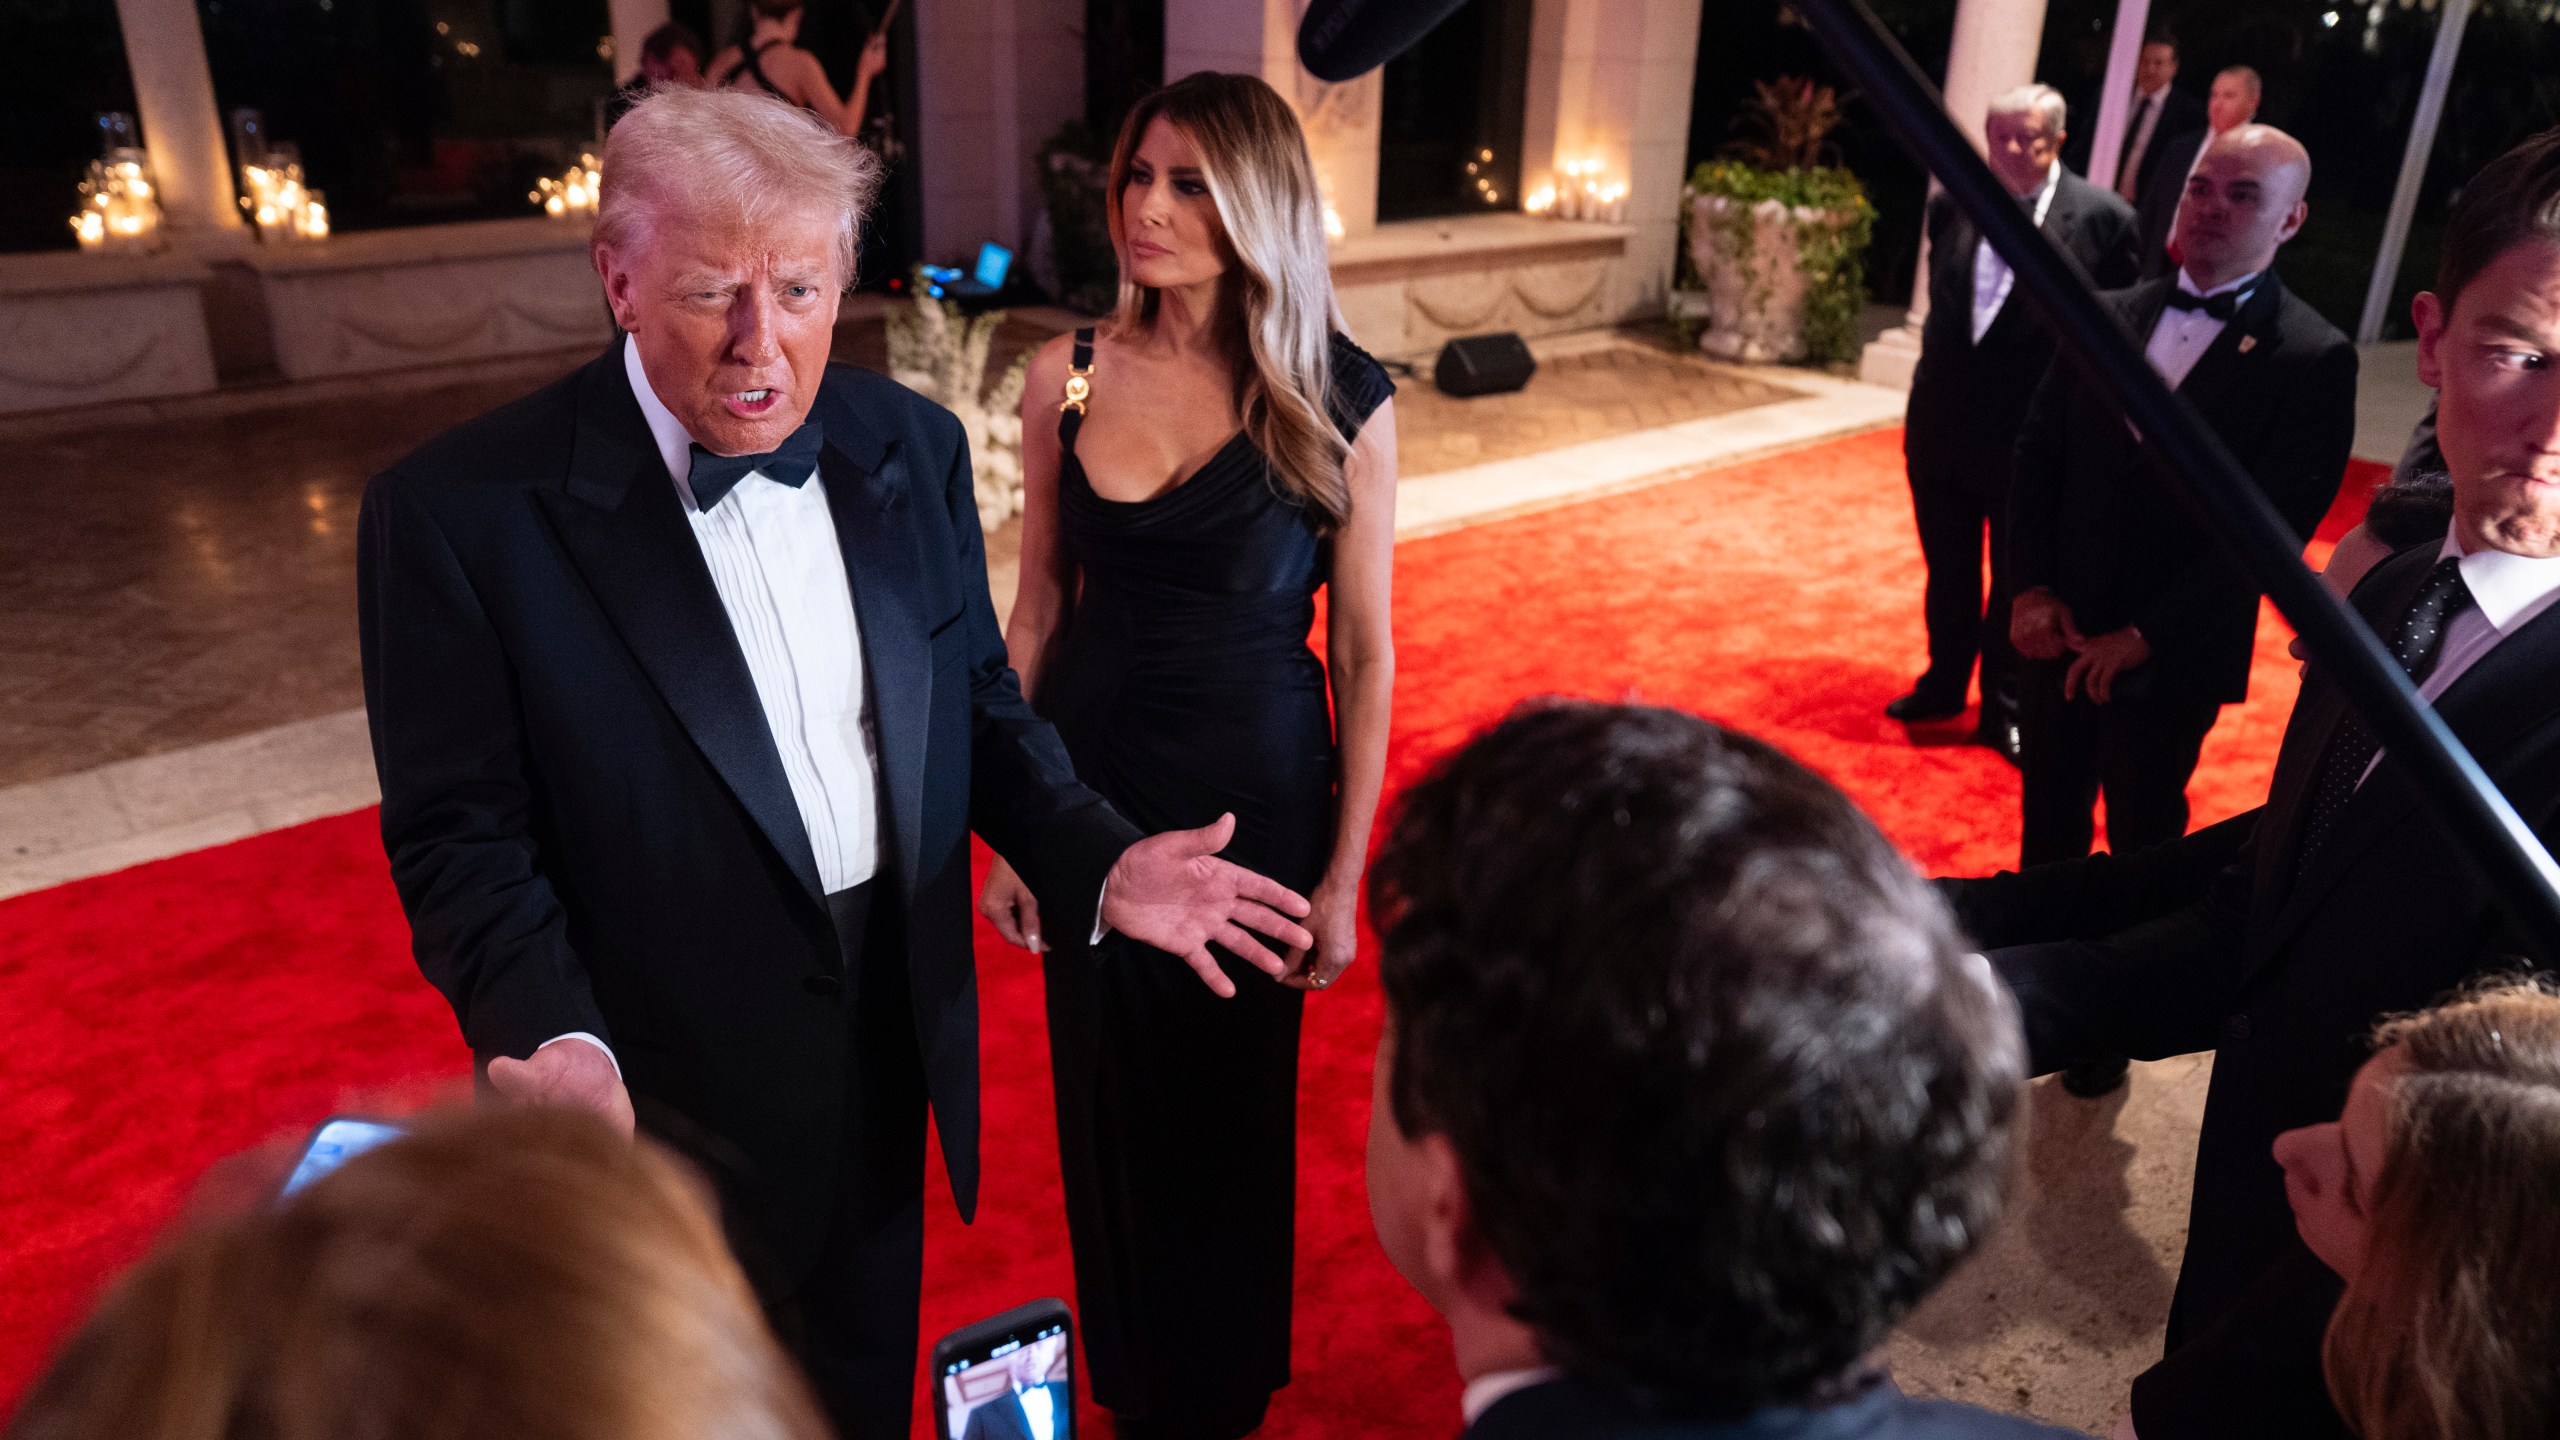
2091 519
2283 980
1968 399
2163 186
587 818
1003 1417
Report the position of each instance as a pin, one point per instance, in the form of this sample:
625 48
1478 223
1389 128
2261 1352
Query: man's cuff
1101 898
590 1039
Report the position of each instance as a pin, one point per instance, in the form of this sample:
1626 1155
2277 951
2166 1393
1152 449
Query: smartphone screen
336 1141
1008 1384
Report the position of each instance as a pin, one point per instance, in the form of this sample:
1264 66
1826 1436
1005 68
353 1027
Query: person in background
2348 901
672 55
1193 472
2135 629
2405 510
1980 358
1688 1089
527 1273
2162 115
771 62
2232 103
2435 1197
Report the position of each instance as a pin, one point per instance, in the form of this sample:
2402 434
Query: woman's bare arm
1360 658
1047 588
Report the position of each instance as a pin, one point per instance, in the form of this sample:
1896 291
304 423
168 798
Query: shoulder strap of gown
1079 390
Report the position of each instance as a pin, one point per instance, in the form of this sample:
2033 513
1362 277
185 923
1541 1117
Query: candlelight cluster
1486 190
120 209
1582 193
574 193
278 202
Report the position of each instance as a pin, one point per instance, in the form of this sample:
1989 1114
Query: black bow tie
790 463
2220 307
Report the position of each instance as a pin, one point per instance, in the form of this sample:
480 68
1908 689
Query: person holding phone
771 62
1194 471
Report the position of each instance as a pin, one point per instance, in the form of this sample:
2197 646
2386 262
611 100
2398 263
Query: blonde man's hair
525 1273
2041 100
2451 1328
1254 158
730 155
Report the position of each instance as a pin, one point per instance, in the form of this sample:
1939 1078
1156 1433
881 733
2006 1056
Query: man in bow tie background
686 693
2135 627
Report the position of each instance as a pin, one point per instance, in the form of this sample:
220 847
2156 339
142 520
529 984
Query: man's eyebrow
2506 325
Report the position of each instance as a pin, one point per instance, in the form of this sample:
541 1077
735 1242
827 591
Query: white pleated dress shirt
774 559
1992 277
2180 337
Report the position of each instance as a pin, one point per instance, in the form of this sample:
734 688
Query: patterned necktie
2125 178
789 463
2416 641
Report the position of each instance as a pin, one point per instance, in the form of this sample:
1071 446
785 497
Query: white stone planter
1755 293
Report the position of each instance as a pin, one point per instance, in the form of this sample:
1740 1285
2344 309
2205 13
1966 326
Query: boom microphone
1343 39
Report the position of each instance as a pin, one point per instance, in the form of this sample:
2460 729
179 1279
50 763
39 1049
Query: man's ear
1455 1249
617 285
2293 222
2428 313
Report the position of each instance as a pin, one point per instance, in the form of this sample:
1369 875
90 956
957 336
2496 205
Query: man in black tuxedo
2134 628
1980 358
2232 103
1033 1407
2346 901
686 693
1688 1090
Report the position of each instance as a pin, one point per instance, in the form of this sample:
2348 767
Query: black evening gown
1184 689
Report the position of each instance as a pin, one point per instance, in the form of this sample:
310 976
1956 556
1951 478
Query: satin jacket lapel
624 527
866 482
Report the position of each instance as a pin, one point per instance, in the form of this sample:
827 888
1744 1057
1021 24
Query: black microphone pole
2202 474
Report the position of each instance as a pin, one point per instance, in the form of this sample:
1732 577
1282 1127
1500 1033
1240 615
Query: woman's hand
1335 920
875 58
1007 902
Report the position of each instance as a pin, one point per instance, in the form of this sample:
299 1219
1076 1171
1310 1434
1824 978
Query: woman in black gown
1193 472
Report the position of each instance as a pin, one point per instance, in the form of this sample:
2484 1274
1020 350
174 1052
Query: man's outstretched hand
1173 892
567 1072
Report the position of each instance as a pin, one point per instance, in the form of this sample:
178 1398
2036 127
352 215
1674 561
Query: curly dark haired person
1688 1089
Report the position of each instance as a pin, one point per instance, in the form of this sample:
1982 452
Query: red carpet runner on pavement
165 1017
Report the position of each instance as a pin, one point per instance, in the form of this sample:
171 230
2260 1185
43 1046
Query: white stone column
1994 49
633 20
994 79
181 123
1611 81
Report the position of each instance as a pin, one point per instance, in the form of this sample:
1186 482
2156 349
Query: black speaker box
1484 364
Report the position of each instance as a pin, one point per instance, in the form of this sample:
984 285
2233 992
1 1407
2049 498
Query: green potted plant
1779 238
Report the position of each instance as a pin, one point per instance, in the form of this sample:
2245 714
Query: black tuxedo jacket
2091 519
2283 980
1968 399
2163 184
588 821
1003 1419
1580 1410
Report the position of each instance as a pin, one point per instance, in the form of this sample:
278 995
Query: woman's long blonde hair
2451 1329
1254 157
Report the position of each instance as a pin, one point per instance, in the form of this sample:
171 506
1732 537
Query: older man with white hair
686 693
1981 356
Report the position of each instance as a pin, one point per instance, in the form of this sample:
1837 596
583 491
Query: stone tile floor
181 576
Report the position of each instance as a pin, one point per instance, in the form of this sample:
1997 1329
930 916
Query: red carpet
167 1016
